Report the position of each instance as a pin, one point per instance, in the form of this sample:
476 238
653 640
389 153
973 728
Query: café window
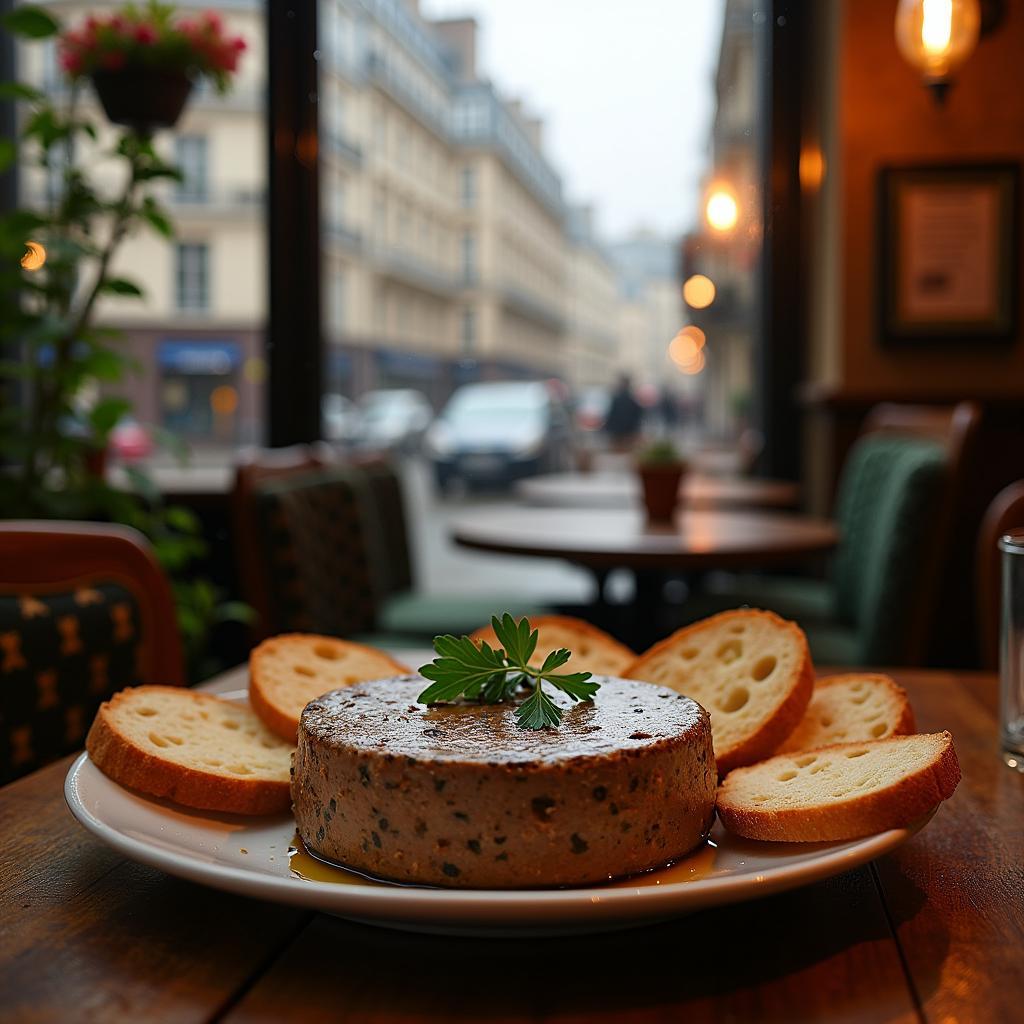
192 276
199 388
191 157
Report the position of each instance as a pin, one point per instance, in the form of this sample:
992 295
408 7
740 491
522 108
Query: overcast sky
624 88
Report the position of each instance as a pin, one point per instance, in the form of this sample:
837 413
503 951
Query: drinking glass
1011 647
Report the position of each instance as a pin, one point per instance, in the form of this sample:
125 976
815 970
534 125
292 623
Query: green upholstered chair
85 610
894 508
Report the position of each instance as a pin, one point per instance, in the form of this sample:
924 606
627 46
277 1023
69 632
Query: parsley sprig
462 669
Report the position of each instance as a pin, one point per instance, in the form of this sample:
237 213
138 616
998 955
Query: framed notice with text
948 242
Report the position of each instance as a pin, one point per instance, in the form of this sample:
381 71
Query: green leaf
181 518
461 668
575 685
8 153
556 659
30 21
538 711
156 218
107 412
516 638
121 286
19 91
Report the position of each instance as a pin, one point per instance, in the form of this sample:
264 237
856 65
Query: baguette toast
841 792
192 748
851 708
286 672
750 669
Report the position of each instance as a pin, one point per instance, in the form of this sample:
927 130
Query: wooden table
607 538
622 490
932 932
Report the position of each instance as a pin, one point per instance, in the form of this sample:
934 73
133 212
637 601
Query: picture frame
948 254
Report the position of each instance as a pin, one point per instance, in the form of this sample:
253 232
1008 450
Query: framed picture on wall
948 251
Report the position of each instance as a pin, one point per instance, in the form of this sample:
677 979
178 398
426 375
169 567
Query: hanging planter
142 98
143 63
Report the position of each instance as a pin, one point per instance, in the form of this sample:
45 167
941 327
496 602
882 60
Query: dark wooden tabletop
614 538
622 490
931 932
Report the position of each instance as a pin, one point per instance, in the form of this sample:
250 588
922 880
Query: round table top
611 538
621 490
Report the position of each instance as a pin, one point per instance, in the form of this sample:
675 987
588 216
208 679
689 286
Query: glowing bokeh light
699 291
685 349
692 369
35 256
721 210
224 400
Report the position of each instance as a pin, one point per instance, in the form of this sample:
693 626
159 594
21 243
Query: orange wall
888 117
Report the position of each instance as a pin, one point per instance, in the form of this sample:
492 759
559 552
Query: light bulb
937 36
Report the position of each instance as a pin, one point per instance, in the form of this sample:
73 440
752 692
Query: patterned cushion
319 538
61 655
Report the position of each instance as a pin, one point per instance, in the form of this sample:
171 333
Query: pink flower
239 45
145 34
71 62
213 20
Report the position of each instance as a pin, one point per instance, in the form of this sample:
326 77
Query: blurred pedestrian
625 414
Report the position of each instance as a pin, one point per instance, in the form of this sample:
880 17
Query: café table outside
697 540
622 490
932 932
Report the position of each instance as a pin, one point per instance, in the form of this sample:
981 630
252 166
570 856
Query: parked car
393 420
497 432
340 418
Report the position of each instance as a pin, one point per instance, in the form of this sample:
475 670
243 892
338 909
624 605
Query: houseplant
61 371
661 469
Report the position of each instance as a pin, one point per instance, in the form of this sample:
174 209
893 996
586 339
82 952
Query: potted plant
59 369
143 63
661 469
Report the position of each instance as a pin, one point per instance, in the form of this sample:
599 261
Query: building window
468 330
191 157
192 276
468 257
468 190
336 302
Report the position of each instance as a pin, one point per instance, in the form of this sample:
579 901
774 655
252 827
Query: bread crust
123 760
568 622
903 726
277 719
774 730
895 806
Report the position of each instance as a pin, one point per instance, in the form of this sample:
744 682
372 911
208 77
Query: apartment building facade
448 253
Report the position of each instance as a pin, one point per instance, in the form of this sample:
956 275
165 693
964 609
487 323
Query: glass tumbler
1011 647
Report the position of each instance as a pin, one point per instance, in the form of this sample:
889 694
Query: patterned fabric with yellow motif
61 656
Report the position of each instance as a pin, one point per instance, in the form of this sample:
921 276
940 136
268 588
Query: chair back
319 540
256 466
85 610
897 498
1005 514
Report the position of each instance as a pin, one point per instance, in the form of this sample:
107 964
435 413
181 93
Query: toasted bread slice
286 672
593 650
841 792
750 669
851 708
192 748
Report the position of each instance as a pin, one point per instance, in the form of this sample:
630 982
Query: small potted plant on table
661 469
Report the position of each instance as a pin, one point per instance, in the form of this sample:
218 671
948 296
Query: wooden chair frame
955 428
52 554
1004 515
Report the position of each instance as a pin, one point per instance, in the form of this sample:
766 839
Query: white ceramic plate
251 856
